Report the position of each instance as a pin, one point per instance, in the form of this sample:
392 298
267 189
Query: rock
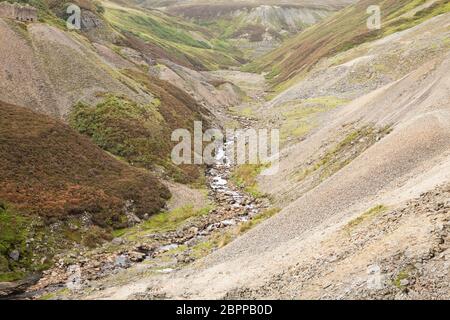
122 261
14 255
11 288
228 223
193 230
404 282
166 271
137 256
118 241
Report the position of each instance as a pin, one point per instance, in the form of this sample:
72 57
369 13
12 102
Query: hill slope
341 32
364 195
58 189
255 27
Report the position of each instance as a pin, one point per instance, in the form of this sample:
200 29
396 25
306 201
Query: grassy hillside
141 134
172 38
51 171
52 175
233 20
341 32
255 27
54 13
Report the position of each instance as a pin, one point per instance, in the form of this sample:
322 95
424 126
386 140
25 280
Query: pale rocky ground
314 248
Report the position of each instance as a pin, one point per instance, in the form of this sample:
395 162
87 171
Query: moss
171 38
95 236
403 274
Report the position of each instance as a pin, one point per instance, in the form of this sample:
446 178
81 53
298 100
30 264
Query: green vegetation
54 295
355 143
245 177
144 24
34 243
139 133
124 128
221 239
341 32
171 38
300 116
247 112
54 175
204 248
366 216
13 235
170 221
164 222
404 274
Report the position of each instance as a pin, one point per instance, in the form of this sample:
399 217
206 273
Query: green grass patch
245 177
172 220
247 112
300 115
163 222
366 216
404 274
14 230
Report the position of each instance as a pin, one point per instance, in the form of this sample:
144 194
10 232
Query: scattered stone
404 282
137 256
14 255
228 223
118 241
122 261
168 247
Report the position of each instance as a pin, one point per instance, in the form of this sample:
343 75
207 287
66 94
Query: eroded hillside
362 183
254 27
358 208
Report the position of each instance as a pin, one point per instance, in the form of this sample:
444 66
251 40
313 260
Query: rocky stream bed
74 272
